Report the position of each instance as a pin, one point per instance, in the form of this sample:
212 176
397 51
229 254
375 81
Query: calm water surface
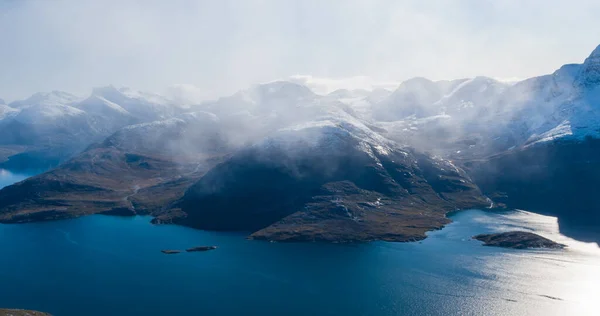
8 178
101 265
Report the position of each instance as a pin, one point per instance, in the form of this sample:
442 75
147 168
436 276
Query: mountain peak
595 52
282 89
106 91
589 76
47 98
416 81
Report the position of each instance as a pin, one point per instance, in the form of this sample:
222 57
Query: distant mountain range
284 163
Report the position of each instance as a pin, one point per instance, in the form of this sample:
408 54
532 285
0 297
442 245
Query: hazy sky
221 46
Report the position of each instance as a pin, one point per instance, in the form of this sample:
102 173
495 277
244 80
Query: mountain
330 180
137 170
53 98
328 159
6 112
443 117
415 97
359 102
589 74
552 166
283 163
143 106
42 130
558 177
52 127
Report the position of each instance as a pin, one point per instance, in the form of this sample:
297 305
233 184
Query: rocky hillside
330 180
49 128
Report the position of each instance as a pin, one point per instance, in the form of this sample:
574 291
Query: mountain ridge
448 142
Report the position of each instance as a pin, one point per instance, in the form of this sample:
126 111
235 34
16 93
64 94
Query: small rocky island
518 240
170 252
193 249
21 312
201 248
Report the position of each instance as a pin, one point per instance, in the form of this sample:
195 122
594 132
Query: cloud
321 85
186 93
222 46
510 80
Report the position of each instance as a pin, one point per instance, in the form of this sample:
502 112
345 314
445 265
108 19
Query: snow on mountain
43 116
479 113
541 105
484 115
414 97
262 98
253 113
589 75
44 108
98 105
47 114
54 98
143 106
7 112
359 101
378 95
189 136
562 130
472 96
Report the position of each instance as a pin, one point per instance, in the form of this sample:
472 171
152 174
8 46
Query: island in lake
201 248
21 312
518 240
170 252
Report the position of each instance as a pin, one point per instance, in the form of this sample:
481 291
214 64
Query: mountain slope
332 181
55 126
126 174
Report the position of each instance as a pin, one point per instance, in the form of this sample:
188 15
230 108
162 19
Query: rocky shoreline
21 312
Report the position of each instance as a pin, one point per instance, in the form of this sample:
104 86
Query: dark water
102 265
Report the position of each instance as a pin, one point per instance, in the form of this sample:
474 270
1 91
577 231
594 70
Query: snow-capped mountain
359 102
65 124
589 72
143 106
349 165
43 119
6 112
481 116
416 97
182 138
564 104
476 116
53 98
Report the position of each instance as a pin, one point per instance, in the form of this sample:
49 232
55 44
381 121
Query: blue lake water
102 265
8 178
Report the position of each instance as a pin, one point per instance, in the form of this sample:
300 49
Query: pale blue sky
222 46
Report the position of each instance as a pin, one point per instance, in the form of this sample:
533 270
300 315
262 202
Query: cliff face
559 178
